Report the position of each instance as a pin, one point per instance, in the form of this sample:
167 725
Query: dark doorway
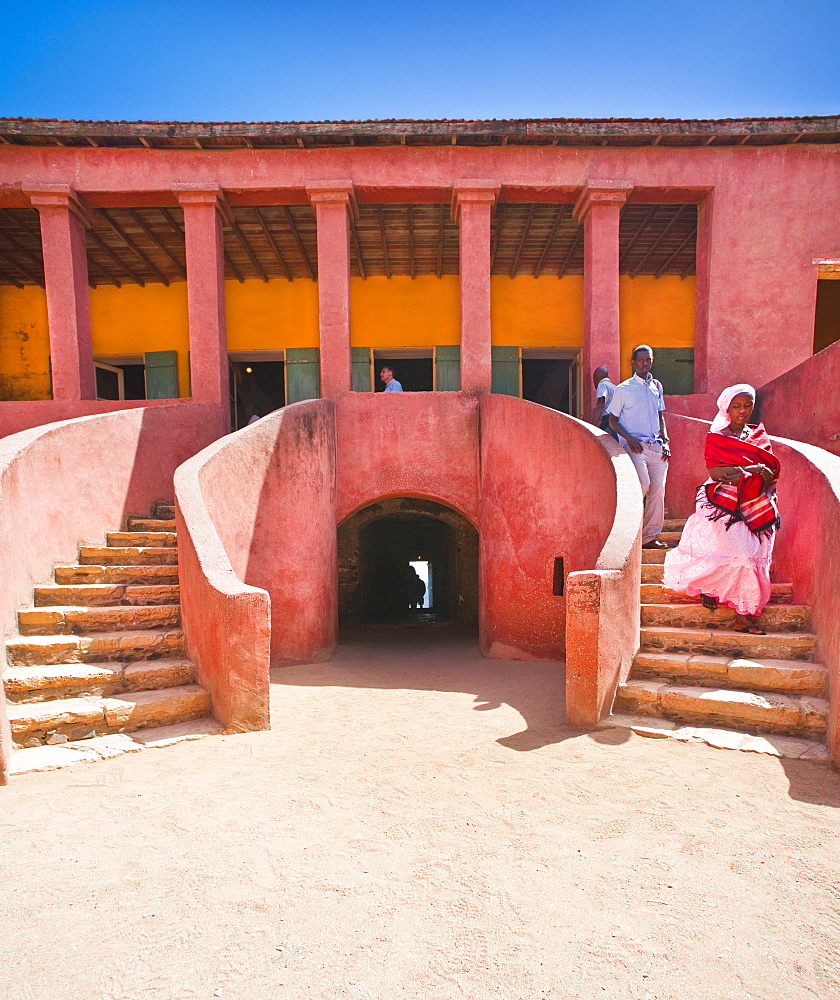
827 319
413 374
256 388
548 381
407 560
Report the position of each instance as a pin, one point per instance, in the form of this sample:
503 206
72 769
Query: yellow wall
537 312
655 311
24 343
404 311
385 312
134 320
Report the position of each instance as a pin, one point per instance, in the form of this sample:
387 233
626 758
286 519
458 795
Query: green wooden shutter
361 368
674 367
302 374
448 368
505 362
161 374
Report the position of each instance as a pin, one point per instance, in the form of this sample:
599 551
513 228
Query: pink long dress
731 564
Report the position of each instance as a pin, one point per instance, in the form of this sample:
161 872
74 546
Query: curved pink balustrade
807 549
71 482
258 513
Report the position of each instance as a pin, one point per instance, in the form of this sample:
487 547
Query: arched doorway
384 548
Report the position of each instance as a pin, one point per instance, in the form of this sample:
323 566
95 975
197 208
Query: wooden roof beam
388 271
652 249
272 243
635 237
441 232
571 252
21 270
411 262
103 246
121 235
246 246
299 241
496 237
522 240
356 246
562 212
691 236
154 238
36 260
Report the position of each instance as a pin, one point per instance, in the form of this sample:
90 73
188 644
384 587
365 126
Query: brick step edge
793 747
61 755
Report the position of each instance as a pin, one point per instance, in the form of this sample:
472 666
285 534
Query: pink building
165 279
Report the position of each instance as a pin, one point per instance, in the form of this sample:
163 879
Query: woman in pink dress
726 548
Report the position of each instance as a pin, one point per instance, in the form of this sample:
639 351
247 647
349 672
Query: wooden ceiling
143 245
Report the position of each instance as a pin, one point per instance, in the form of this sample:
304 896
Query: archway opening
405 560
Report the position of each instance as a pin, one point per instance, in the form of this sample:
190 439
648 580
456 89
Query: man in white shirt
637 415
604 390
391 384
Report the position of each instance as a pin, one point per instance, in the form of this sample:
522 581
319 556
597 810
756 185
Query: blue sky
259 61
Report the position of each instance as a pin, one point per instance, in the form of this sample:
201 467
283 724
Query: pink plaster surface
473 205
804 403
68 483
765 213
256 515
21 415
548 489
807 549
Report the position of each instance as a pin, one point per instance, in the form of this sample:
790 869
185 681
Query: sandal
709 602
749 626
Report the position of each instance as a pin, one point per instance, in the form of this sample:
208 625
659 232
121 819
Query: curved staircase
696 679
99 667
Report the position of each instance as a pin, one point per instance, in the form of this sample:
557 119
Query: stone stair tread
34 649
134 709
766 674
143 539
653 592
102 595
80 619
161 736
87 574
30 682
136 523
784 645
150 555
653 557
775 618
674 523
769 708
796 747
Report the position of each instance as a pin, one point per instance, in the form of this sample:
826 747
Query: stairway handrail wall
70 482
807 548
603 605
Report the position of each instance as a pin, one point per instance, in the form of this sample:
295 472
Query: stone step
67 680
719 642
164 510
798 748
72 620
672 538
103 595
674 523
148 644
81 718
141 575
140 539
652 573
775 618
54 757
129 556
653 557
800 715
653 592
792 676
150 524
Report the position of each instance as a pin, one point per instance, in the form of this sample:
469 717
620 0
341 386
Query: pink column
333 201
599 209
472 207
205 211
63 222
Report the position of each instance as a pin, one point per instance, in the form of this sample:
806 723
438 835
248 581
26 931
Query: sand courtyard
418 825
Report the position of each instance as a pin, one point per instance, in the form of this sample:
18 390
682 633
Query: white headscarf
722 420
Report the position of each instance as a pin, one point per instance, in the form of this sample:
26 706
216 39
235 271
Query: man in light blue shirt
391 384
637 415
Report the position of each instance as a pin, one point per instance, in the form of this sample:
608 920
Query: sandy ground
418 826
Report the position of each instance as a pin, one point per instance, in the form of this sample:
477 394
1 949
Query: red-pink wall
804 403
807 548
67 483
547 490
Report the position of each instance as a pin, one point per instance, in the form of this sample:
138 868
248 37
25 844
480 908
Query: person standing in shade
391 384
637 415
604 390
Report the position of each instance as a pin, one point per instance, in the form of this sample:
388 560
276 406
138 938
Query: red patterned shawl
748 499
